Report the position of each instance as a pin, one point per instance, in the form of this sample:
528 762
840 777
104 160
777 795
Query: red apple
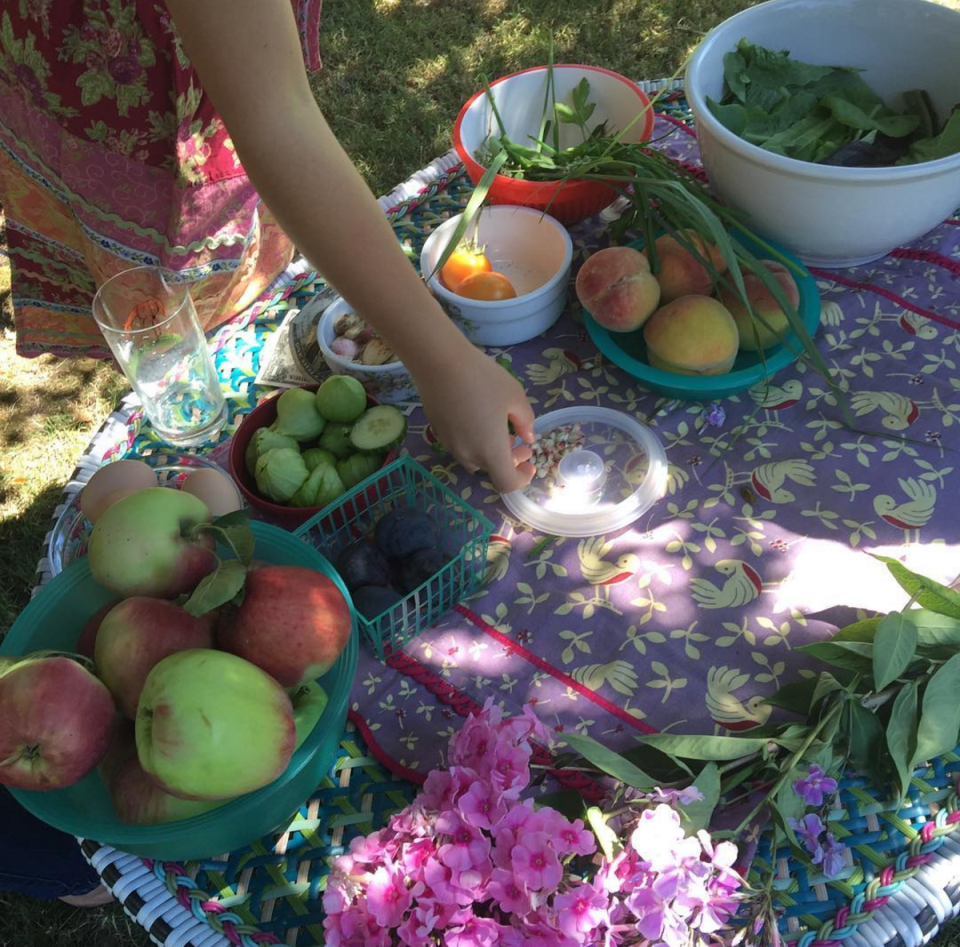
139 633
293 623
123 745
56 720
137 800
148 543
87 642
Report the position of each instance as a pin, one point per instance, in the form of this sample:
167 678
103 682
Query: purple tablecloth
688 617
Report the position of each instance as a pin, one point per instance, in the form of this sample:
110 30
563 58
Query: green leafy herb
894 646
902 734
940 716
609 761
221 586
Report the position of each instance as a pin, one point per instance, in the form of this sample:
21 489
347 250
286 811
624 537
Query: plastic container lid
598 471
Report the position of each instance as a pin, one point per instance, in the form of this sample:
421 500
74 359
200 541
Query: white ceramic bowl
831 216
527 246
387 383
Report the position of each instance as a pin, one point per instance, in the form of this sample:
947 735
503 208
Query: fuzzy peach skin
616 287
764 305
693 335
679 272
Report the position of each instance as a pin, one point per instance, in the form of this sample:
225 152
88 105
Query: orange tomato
463 262
486 286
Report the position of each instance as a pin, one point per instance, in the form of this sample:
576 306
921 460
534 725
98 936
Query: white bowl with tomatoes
507 280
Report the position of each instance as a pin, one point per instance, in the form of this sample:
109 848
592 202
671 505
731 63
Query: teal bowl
628 351
54 619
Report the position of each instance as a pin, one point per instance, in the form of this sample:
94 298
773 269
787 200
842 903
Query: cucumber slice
379 428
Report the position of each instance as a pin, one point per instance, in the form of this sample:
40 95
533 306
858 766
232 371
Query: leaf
927 593
940 716
864 735
699 814
788 803
902 734
842 654
859 630
796 697
704 747
236 534
218 588
606 837
894 646
933 629
568 802
940 146
609 762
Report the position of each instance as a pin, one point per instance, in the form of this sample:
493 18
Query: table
688 618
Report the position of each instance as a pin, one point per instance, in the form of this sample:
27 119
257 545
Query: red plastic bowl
263 415
519 99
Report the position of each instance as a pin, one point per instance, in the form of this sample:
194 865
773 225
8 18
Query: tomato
464 261
486 286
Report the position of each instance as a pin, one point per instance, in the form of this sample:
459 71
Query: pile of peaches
687 328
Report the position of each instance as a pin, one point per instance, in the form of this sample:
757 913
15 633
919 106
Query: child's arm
247 55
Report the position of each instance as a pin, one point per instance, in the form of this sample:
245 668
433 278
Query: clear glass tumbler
152 329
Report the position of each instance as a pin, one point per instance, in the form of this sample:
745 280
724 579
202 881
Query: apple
211 725
56 720
122 746
87 642
147 544
309 702
293 622
7 663
139 633
137 800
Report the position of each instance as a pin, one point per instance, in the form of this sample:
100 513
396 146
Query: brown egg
216 489
112 482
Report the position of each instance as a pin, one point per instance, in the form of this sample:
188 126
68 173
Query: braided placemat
901 885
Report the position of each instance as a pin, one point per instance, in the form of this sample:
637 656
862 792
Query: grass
395 75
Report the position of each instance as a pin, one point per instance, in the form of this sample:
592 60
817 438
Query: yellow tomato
486 286
463 262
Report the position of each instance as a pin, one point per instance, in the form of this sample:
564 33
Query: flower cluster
811 789
470 864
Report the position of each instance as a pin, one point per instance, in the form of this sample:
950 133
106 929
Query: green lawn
396 73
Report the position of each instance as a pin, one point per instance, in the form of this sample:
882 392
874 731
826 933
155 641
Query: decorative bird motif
769 479
911 515
561 363
743 585
777 397
919 326
600 573
729 711
900 411
498 558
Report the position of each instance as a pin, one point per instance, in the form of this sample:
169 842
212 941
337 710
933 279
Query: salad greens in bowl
830 123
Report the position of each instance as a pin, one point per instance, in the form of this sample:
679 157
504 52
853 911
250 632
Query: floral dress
112 156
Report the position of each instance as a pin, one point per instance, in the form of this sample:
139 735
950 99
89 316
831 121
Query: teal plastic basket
464 533
53 619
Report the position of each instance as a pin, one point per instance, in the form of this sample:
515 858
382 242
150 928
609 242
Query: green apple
309 703
146 544
211 725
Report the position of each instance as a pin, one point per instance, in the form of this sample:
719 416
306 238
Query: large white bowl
830 216
530 248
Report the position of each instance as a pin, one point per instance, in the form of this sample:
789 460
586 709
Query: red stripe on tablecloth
555 673
927 256
682 125
380 755
880 291
464 705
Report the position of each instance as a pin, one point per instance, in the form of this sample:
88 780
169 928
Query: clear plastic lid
597 471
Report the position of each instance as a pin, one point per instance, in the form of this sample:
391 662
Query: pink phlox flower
480 806
510 772
412 822
414 855
467 847
547 820
388 897
368 849
534 860
474 932
509 893
659 840
581 909
574 839
505 832
442 884
471 745
419 925
673 796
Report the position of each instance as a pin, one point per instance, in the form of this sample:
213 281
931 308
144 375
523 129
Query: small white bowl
389 384
832 216
530 248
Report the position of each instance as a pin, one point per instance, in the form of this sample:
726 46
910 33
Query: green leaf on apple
234 532
218 588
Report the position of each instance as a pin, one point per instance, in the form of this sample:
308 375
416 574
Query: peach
693 335
679 272
754 334
616 287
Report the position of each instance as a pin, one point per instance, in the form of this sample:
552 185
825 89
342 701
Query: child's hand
469 403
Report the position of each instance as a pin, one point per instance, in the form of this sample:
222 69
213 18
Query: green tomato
297 415
280 473
341 398
317 455
336 439
263 440
358 467
323 486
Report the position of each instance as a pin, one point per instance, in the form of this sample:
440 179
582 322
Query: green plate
628 351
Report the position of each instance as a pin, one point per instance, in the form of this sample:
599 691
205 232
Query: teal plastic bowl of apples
219 742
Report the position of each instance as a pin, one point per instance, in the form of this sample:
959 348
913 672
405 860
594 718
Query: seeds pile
550 449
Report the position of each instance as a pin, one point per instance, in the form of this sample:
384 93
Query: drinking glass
152 329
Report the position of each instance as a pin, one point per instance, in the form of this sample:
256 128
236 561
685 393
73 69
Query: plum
410 573
363 564
404 530
373 600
